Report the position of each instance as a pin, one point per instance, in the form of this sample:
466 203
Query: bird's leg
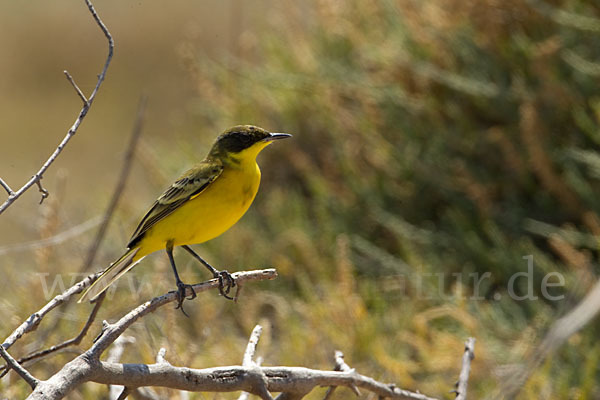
181 287
222 276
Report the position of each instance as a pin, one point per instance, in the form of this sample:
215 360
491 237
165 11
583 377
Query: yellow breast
208 214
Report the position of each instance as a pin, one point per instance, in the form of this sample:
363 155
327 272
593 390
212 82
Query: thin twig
79 92
463 378
114 355
124 393
23 373
340 365
60 237
41 189
248 359
559 332
125 169
71 132
6 187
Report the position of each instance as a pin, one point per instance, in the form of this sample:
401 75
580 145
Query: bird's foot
226 282
181 289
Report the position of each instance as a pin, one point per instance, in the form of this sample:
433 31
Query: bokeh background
434 141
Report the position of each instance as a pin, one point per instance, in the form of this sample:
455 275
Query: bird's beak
276 136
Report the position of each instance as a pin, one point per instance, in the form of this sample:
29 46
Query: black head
242 137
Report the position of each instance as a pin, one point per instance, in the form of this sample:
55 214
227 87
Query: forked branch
87 103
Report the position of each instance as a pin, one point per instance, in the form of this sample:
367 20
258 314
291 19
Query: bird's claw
226 282
181 288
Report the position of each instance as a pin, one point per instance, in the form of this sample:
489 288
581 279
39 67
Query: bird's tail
111 274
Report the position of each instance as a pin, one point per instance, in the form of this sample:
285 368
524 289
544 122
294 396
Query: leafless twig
6 187
79 92
248 359
13 364
340 365
561 330
36 179
61 237
463 378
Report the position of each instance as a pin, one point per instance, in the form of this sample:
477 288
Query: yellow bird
199 206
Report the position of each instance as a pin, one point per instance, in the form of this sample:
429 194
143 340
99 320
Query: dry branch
463 378
87 103
85 366
296 380
560 331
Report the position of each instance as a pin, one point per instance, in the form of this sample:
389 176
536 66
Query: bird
200 205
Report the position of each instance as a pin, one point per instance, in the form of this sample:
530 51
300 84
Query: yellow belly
207 215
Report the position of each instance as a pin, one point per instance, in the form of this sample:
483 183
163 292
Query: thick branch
36 179
240 378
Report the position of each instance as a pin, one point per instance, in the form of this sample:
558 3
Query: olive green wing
190 184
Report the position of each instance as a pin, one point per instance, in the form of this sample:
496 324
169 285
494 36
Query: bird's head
243 142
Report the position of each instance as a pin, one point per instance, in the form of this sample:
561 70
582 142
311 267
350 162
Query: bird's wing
189 185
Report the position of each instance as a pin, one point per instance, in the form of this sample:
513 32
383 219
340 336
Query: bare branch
561 330
463 378
85 366
127 161
236 378
71 132
251 348
13 364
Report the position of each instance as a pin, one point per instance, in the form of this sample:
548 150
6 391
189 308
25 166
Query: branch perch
86 366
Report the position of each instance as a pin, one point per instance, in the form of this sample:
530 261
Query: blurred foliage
434 142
